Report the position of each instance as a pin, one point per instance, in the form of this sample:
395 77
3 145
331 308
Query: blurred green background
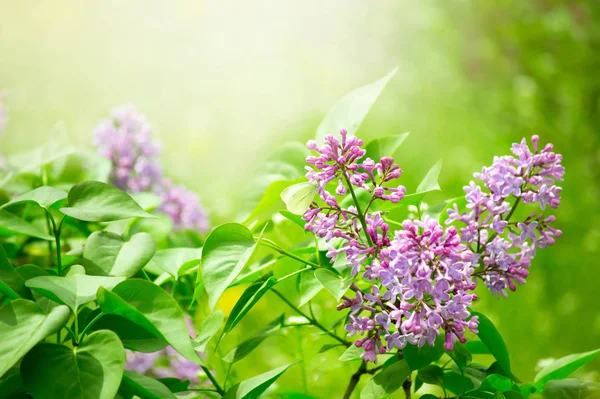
225 83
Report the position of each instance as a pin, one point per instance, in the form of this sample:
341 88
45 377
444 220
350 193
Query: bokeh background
224 83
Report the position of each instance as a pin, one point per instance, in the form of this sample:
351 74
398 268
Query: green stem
294 273
312 321
90 324
360 215
274 246
56 232
227 375
213 380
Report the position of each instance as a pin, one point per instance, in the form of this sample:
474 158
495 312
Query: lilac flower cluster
505 248
126 139
422 277
165 363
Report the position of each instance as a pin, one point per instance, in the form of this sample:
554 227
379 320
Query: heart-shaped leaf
563 367
308 287
12 225
73 290
134 384
44 197
12 283
353 352
94 201
254 387
351 110
109 255
225 253
298 197
24 324
176 261
133 336
91 370
335 284
270 202
150 307
387 381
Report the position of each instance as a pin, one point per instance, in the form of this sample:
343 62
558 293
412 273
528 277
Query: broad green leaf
336 285
387 381
477 348
132 335
420 357
384 146
94 201
298 197
432 374
148 201
461 355
91 370
474 372
350 111
495 382
563 367
297 219
210 326
254 387
430 181
225 253
513 395
245 348
44 197
73 290
12 225
571 389
11 386
57 146
24 324
457 383
270 202
176 261
12 283
249 298
493 340
353 352
144 387
109 255
152 308
308 287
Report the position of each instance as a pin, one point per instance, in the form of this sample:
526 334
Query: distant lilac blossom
183 207
422 277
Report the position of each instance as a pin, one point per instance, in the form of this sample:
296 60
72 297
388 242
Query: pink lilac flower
183 207
505 248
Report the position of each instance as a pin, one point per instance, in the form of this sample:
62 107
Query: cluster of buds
125 138
421 278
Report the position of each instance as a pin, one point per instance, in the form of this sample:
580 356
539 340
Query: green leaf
477 348
350 111
210 326
420 357
563 367
12 283
308 287
297 219
571 389
24 324
150 307
384 146
12 225
176 261
225 253
298 197
513 395
44 197
430 181
94 201
248 299
489 335
254 387
91 370
336 285
73 290
110 255
11 386
474 372
270 202
132 335
457 383
144 387
57 146
432 374
387 381
495 382
353 352
245 348
461 355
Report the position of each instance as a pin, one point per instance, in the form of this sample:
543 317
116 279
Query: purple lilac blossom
422 277
126 139
505 248
165 363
